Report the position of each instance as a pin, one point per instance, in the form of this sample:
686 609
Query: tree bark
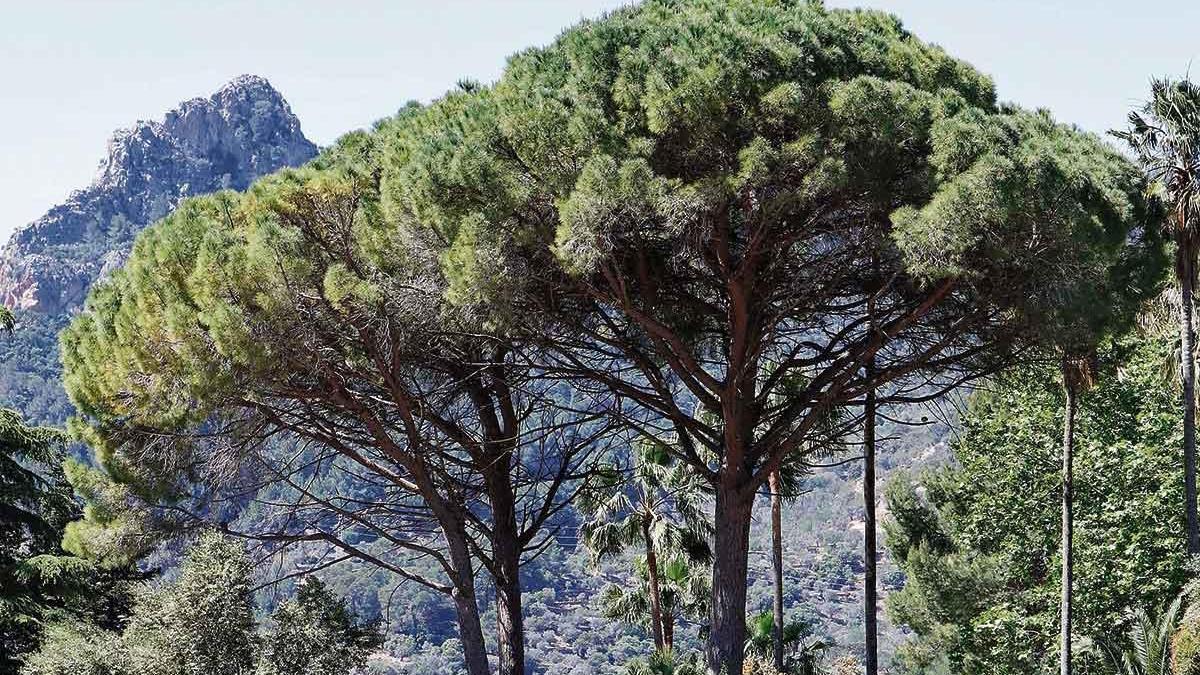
776 488
1068 456
1187 364
870 553
506 551
727 635
470 628
656 618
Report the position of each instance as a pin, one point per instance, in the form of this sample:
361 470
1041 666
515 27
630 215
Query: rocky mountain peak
244 130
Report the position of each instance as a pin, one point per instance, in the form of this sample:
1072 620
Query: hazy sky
73 71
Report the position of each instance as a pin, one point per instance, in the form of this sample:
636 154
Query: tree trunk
1188 375
506 552
668 624
470 629
776 488
656 617
727 636
1068 456
870 554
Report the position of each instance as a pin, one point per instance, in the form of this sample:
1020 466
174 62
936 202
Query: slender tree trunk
1068 456
506 551
656 616
668 624
1187 364
470 629
727 636
870 553
776 487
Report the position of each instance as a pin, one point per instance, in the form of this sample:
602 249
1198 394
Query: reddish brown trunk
727 635
506 550
470 629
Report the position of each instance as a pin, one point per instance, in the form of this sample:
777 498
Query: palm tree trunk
870 553
776 488
656 618
1187 275
1068 456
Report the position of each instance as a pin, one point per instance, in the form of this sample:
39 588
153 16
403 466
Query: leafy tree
203 622
978 543
76 648
40 584
315 634
689 232
1164 135
293 334
657 509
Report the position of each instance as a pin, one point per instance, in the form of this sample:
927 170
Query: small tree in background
203 622
314 633
38 583
657 509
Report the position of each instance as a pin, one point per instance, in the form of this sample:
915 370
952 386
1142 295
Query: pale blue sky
72 71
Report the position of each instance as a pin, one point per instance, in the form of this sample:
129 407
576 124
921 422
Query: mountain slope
244 130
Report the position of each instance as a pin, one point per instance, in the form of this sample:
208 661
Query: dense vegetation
674 269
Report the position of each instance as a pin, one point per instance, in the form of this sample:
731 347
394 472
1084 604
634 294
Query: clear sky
72 71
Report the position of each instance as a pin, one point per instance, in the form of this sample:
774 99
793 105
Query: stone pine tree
255 338
1164 135
694 199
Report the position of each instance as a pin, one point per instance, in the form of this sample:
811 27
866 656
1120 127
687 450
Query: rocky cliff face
244 130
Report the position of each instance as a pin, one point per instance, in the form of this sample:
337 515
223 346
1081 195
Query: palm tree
1151 638
1079 374
658 508
684 590
1164 135
806 652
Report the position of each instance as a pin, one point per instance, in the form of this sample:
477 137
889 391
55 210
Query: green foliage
803 653
315 634
78 649
39 583
201 624
978 543
666 662
1150 651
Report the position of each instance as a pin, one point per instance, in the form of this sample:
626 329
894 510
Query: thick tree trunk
727 636
470 629
506 551
870 554
1188 375
656 617
776 488
1068 456
668 624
